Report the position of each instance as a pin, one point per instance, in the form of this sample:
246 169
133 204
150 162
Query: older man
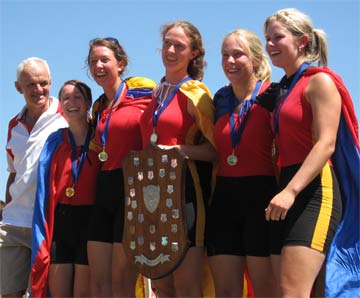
27 133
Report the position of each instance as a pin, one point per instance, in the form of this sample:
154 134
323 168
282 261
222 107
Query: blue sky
59 31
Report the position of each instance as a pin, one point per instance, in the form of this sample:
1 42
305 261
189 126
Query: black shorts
69 241
107 221
236 223
191 208
313 219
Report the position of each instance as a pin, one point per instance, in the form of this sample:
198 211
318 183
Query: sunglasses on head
112 39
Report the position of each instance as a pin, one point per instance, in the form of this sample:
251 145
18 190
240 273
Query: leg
299 267
187 278
275 264
15 255
319 285
61 280
100 258
228 274
124 273
82 281
262 277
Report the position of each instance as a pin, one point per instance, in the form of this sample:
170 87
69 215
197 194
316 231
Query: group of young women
276 227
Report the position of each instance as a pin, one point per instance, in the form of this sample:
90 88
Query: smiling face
236 63
104 67
34 83
283 48
177 53
73 103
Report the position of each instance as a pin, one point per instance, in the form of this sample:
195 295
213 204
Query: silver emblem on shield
170 189
173 162
175 213
168 202
136 161
174 246
174 228
163 217
151 195
150 162
132 192
172 175
164 158
133 204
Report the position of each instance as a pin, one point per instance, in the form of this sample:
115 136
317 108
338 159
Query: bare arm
10 180
325 102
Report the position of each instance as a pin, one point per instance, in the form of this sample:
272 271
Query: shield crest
151 196
155 237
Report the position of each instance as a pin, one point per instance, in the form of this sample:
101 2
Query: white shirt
24 149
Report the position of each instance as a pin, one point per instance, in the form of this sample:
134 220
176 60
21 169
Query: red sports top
295 135
254 148
61 176
123 131
174 123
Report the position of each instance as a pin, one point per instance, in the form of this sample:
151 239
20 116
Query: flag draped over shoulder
342 277
138 94
223 101
43 219
200 96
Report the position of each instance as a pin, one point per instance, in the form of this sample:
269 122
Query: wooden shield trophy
155 235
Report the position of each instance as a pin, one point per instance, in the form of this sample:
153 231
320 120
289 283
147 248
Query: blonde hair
299 24
254 47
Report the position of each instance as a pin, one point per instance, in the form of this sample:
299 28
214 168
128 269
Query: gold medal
232 160
69 192
103 156
153 138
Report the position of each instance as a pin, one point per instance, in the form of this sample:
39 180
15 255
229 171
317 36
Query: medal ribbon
236 131
281 98
103 136
77 166
160 108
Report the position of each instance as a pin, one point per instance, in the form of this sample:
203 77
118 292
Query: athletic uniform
176 126
343 261
60 222
123 135
236 222
317 210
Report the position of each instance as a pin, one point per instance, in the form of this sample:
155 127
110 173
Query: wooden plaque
155 235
